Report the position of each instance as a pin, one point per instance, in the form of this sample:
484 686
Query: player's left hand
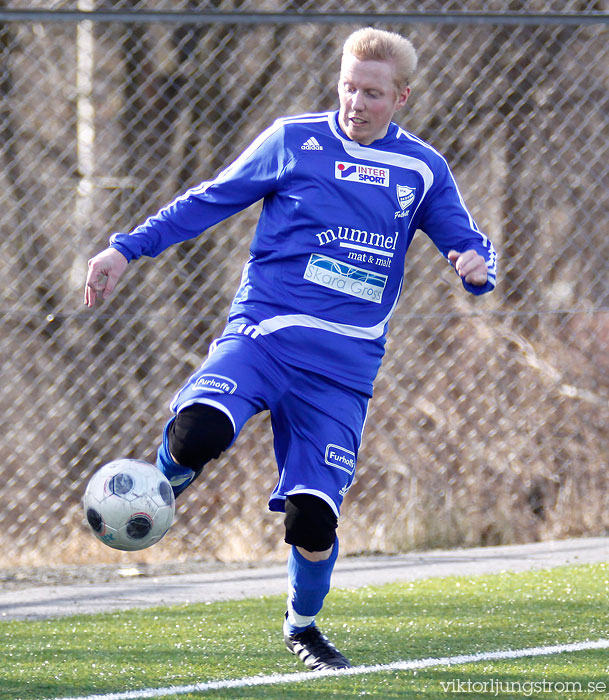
470 265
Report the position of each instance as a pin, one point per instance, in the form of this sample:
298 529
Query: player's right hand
105 269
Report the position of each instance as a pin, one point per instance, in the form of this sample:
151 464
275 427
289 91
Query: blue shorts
317 423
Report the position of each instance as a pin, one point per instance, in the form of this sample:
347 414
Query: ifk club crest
405 196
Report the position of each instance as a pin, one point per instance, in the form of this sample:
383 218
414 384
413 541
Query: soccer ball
129 504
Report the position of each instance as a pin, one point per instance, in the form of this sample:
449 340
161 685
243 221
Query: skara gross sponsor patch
345 278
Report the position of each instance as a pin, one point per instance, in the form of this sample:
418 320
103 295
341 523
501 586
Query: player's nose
357 101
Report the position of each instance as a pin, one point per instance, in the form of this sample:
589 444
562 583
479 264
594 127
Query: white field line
282 678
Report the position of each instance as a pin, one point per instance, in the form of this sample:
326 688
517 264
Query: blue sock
309 583
179 476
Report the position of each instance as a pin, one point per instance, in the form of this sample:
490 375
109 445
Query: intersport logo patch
354 172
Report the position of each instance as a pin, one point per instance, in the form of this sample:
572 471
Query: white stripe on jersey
256 143
252 331
277 323
311 117
492 263
416 139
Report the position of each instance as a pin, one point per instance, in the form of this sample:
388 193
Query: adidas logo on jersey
312 144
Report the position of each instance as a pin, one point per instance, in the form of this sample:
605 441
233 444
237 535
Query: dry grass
509 448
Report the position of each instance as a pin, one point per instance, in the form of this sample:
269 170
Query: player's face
368 98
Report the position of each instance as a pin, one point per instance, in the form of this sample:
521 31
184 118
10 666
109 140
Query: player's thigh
317 433
232 379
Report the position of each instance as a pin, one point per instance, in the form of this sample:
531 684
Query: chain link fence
489 422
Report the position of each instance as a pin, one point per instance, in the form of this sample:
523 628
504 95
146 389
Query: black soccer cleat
314 649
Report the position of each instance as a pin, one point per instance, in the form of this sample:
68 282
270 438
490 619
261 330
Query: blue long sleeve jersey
327 259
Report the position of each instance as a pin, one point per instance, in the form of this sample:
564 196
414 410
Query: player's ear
403 96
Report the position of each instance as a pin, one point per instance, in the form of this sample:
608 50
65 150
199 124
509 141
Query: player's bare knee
198 434
310 523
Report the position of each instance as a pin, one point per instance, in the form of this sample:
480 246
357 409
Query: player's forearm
184 218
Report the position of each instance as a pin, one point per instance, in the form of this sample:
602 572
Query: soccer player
344 192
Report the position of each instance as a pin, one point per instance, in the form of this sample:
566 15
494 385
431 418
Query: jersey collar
391 135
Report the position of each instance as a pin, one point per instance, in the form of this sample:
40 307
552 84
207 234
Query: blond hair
370 44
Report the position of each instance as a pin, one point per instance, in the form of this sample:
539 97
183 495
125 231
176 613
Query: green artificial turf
184 645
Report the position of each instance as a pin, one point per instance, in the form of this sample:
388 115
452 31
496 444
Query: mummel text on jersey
327 259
